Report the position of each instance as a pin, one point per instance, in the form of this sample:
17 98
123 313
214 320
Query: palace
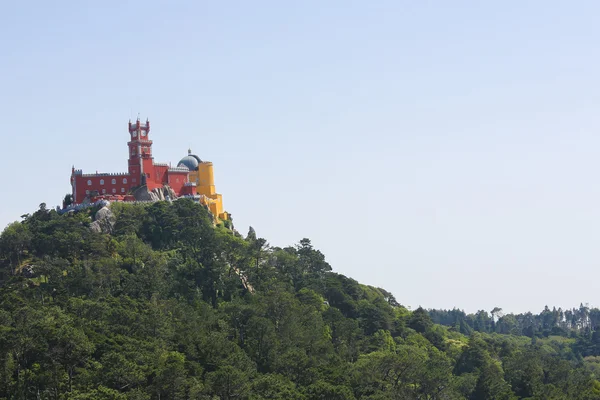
191 178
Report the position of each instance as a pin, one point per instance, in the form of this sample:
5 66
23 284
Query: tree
170 381
322 390
275 387
14 242
228 383
420 320
496 313
491 384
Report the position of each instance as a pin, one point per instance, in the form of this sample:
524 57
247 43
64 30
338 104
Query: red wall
177 180
120 188
160 174
188 190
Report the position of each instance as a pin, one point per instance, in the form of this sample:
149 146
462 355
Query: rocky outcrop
142 194
164 193
158 194
104 221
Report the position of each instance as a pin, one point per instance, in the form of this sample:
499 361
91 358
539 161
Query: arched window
89 183
102 181
125 180
103 191
114 190
122 190
87 192
114 181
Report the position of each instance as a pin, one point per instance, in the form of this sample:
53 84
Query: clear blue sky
444 150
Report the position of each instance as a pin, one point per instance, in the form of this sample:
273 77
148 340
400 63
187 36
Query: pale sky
443 150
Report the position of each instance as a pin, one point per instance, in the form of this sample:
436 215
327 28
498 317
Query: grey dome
190 161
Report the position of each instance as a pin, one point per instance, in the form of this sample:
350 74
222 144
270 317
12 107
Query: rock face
164 193
158 194
142 194
104 221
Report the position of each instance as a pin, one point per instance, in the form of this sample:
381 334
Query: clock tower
140 152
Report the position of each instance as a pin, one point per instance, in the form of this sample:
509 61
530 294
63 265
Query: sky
444 151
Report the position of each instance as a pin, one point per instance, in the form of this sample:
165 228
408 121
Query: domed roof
190 161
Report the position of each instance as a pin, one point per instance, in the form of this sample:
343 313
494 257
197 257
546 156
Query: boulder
104 221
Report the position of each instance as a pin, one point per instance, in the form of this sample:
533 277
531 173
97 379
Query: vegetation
168 306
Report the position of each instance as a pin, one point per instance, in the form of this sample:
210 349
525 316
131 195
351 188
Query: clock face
143 133
134 133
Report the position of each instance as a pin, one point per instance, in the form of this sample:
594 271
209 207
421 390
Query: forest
169 306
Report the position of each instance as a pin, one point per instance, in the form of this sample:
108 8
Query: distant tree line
581 323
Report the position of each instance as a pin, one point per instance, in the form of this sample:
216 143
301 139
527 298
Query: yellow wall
205 185
206 179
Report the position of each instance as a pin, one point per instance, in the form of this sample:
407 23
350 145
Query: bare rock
142 194
95 226
104 221
169 193
159 194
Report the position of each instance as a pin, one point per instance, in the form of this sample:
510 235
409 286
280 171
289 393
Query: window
103 191
102 181
114 190
114 181
133 180
124 180
122 190
89 183
87 192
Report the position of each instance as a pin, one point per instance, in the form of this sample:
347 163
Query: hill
164 305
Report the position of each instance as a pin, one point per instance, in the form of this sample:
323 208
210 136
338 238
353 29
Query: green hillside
160 304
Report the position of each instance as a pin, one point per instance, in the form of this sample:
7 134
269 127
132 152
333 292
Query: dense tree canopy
169 306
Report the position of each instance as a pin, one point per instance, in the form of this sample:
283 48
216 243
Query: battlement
139 125
179 169
104 174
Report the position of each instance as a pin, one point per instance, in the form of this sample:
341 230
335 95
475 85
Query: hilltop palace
191 178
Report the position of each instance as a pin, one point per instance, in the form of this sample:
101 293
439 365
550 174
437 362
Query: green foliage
171 307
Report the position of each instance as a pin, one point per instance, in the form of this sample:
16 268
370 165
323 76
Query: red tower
140 152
